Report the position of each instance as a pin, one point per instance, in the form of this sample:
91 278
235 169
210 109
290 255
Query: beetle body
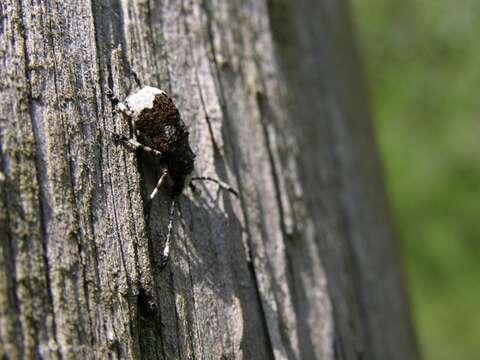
156 119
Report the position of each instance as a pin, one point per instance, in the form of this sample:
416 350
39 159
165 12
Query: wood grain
304 265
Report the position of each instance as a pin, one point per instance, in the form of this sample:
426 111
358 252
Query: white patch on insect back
142 99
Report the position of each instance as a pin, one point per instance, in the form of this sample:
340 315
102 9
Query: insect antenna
223 185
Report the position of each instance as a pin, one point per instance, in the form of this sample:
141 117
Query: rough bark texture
303 266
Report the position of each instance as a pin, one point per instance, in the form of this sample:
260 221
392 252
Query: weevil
156 127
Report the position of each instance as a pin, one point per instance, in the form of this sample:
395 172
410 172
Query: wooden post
302 266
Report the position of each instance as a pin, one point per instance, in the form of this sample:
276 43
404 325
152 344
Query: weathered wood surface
303 266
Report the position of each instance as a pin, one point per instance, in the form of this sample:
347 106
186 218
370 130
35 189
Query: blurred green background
423 67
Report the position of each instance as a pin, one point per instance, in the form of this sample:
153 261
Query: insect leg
159 184
148 205
112 97
166 248
221 184
134 144
120 106
136 78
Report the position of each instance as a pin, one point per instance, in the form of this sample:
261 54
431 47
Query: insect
156 127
